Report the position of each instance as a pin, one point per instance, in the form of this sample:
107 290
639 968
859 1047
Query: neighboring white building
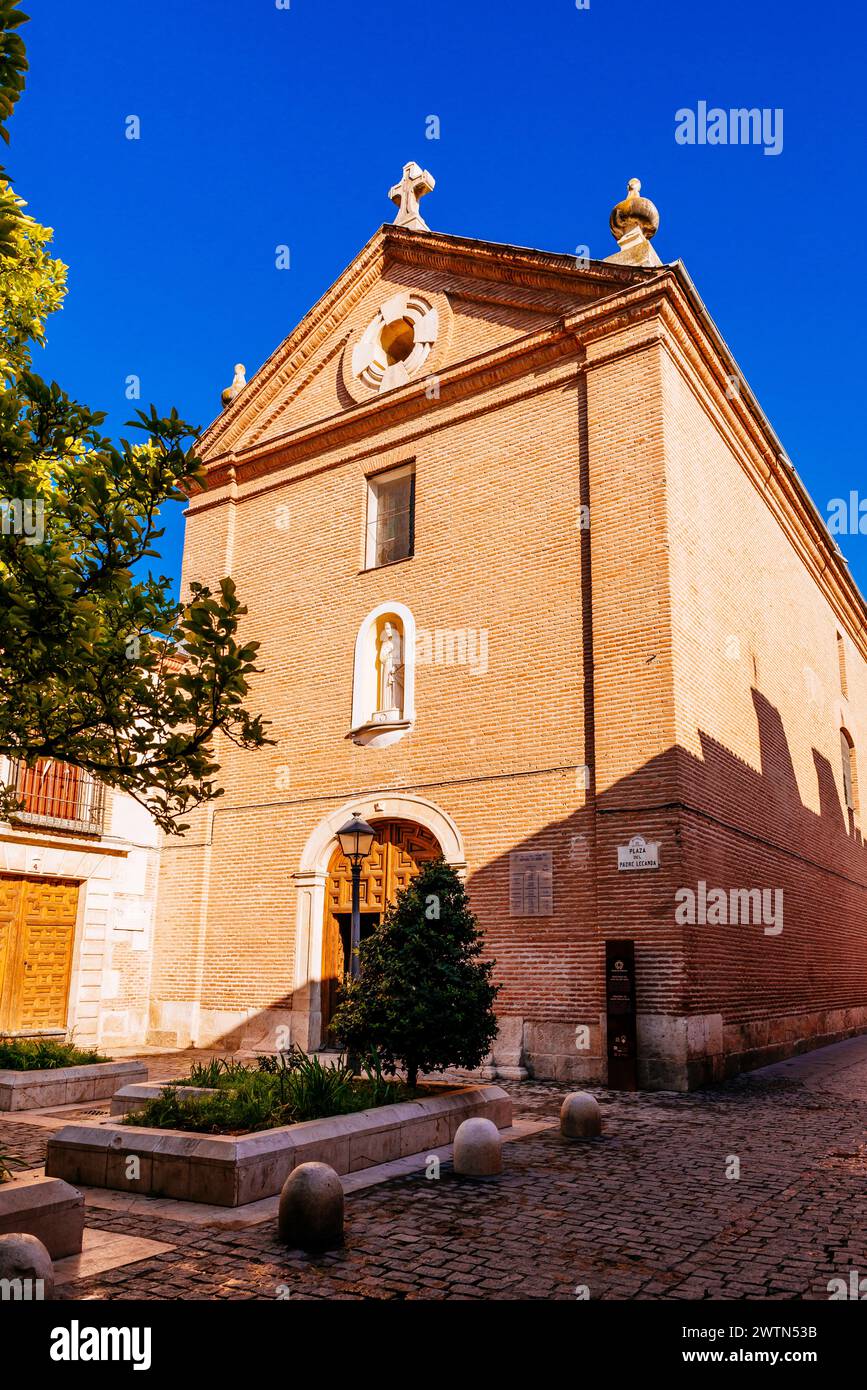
78 884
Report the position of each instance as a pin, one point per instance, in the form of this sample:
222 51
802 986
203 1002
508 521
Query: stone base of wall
684 1054
679 1053
545 1051
764 1041
675 1053
182 1025
122 1027
564 1051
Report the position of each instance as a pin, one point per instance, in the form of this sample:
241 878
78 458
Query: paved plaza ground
646 1212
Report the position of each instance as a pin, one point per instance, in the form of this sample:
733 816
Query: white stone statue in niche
390 705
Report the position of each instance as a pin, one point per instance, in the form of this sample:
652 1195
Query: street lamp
355 839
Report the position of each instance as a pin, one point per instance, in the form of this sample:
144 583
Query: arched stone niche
383 683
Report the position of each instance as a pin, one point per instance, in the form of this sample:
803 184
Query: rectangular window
390 517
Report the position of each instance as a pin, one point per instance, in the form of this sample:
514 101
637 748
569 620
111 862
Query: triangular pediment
410 305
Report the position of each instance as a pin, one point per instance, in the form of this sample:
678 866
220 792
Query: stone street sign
638 854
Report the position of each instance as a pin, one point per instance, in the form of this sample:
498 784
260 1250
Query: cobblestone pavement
23 1142
645 1212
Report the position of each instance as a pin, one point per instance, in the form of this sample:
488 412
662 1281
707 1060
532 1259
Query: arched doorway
400 848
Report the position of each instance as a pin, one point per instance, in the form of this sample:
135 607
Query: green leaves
13 61
13 67
99 667
424 998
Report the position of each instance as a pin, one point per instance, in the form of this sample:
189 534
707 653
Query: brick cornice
663 300
675 319
284 465
408 406
708 367
511 266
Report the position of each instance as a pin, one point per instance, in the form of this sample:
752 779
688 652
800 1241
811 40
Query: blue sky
263 126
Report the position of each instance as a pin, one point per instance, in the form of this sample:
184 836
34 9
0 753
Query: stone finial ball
634 211
580 1116
478 1149
26 1258
310 1216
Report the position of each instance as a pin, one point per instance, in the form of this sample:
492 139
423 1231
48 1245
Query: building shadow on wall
717 819
715 816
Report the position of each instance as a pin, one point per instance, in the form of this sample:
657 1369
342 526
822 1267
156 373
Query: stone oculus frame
407 338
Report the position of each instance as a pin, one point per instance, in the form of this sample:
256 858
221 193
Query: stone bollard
310 1216
478 1149
26 1268
580 1116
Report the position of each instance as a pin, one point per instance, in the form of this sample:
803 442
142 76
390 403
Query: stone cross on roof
413 186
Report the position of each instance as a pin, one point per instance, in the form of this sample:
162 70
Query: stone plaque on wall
531 883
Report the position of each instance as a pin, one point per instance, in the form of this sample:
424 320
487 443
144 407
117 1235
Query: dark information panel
620 1011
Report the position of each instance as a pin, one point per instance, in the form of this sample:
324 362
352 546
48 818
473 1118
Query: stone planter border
36 1090
47 1208
133 1097
232 1170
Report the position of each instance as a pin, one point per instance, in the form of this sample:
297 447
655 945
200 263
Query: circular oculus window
396 343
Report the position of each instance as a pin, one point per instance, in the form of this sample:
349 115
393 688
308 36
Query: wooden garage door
37 934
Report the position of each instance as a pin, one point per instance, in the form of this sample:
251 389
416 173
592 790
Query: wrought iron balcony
56 796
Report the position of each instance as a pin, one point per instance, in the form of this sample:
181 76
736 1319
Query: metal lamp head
356 838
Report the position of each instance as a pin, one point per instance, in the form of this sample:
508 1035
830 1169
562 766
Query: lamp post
355 839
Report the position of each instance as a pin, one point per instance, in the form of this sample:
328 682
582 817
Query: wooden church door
398 851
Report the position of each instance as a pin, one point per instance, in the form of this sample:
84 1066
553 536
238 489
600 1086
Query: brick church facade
537 589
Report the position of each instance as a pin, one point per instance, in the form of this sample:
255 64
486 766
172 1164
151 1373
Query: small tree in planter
424 998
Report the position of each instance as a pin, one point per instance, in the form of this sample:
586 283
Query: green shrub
41 1054
282 1062
202 1074
249 1105
424 998
220 1071
315 1090
277 1091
